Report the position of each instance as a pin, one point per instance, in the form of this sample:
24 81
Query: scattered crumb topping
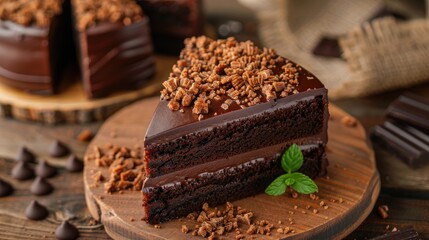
30 12
212 223
227 71
126 167
91 12
383 211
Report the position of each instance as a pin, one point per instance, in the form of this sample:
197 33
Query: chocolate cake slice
33 53
114 46
227 113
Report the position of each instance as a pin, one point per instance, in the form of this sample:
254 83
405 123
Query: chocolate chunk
41 187
5 188
25 155
45 170
328 47
411 109
409 143
22 171
58 149
406 234
36 211
66 231
74 164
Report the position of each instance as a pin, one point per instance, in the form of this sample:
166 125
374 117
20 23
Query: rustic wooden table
404 191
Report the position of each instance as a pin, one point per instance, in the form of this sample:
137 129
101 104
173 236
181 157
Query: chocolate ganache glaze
167 124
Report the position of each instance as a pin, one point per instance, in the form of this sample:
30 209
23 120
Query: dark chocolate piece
41 187
45 170
328 47
6 188
36 211
409 143
411 109
406 234
25 155
66 231
74 164
22 171
58 149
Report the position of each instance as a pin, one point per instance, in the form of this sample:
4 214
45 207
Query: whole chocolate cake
114 45
33 55
227 113
172 21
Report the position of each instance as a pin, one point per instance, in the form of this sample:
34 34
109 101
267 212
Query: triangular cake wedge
227 112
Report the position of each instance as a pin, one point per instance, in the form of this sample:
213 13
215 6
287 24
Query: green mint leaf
292 159
303 184
289 181
277 187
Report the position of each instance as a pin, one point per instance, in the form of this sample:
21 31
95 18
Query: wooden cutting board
350 191
71 104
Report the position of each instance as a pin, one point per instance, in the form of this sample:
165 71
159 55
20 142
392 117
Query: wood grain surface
71 105
352 177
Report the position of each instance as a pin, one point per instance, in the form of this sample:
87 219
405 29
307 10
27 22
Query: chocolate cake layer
114 56
235 132
177 194
35 56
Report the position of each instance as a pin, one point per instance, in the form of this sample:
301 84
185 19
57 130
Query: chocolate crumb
382 212
85 135
185 229
348 121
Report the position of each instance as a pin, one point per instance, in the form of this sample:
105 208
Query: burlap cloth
378 56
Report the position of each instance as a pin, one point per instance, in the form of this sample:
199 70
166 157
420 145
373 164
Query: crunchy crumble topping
126 167
213 223
91 12
29 12
229 71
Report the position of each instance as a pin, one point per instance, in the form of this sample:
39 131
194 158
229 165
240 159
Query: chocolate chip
22 171
36 211
66 231
58 149
41 187
25 155
74 164
5 188
45 170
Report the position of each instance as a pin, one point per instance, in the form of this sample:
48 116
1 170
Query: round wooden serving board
353 177
71 104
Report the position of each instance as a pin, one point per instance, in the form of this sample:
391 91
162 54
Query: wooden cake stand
71 105
350 191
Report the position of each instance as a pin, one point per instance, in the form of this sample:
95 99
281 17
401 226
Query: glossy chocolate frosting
114 56
167 124
25 63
